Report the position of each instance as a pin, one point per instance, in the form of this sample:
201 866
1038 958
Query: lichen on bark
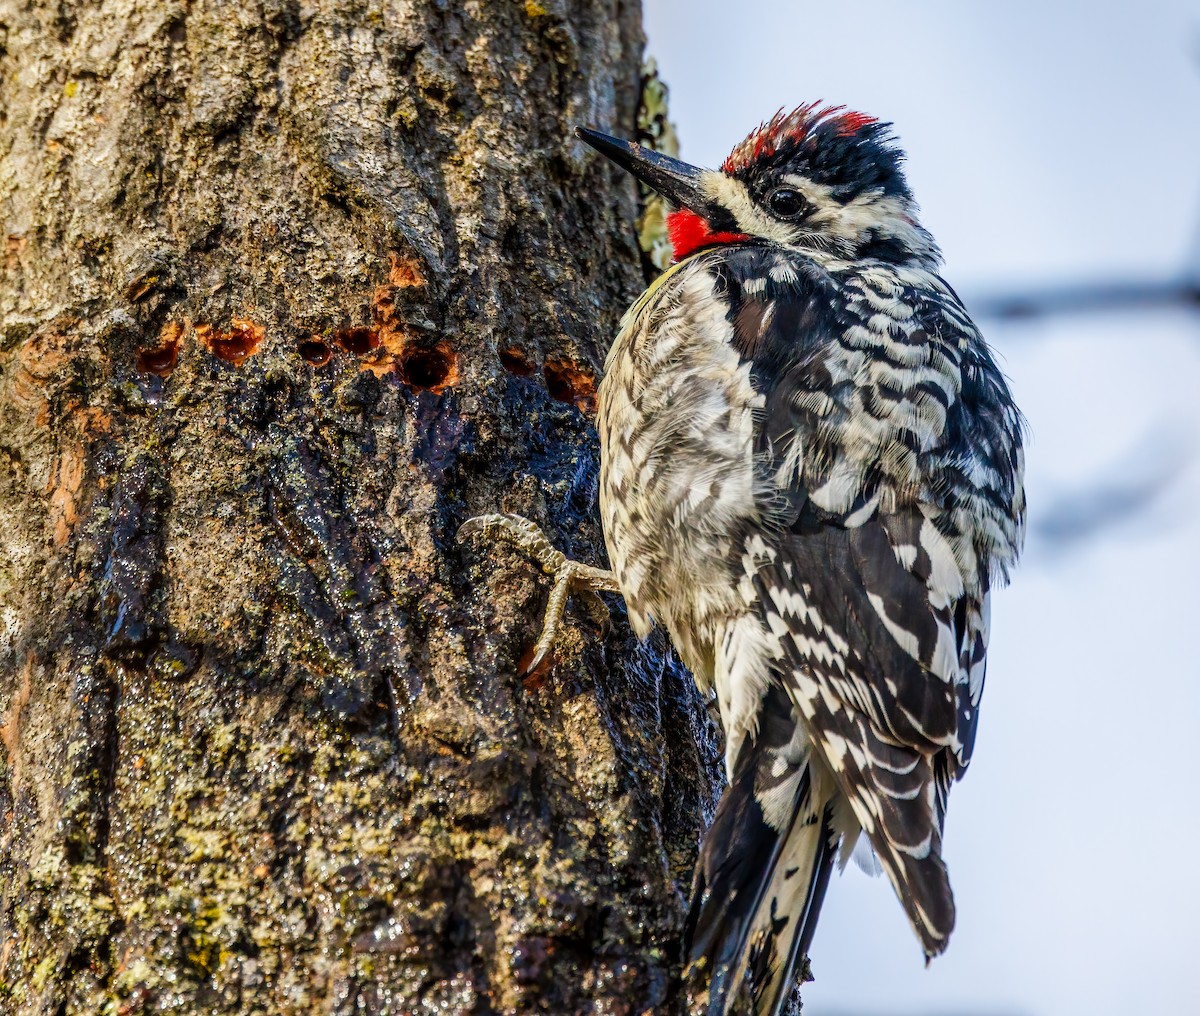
288 291
655 131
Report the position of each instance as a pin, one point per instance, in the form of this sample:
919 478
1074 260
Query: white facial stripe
732 195
819 195
890 216
832 225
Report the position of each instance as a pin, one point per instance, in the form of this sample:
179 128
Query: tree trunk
290 289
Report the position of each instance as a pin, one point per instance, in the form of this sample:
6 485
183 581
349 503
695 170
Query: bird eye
786 203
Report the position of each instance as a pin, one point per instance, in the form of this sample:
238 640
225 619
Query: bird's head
818 179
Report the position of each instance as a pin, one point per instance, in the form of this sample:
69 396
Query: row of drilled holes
421 367
565 381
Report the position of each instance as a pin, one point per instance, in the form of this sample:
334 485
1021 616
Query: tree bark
291 288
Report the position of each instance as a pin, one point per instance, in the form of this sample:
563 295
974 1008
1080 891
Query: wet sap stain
235 346
443 433
531 959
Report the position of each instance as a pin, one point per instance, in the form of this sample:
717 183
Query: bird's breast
677 480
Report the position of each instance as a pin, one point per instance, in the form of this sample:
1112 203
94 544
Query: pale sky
1048 142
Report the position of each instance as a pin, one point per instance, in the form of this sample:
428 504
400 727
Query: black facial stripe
720 219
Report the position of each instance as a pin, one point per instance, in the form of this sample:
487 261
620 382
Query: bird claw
569 576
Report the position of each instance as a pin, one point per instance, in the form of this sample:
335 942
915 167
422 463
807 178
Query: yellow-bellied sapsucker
811 477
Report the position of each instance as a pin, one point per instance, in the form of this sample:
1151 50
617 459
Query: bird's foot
569 576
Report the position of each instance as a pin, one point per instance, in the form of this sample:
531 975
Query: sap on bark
314 350
235 346
161 358
357 341
428 367
403 274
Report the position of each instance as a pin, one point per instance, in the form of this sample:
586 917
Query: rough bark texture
290 289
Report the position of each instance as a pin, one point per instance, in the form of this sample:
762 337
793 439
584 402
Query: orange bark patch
162 358
383 302
14 243
39 382
39 366
571 382
10 727
66 479
380 359
43 355
28 393
423 366
235 346
89 420
403 273
390 346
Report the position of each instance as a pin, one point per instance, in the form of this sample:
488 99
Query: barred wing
894 455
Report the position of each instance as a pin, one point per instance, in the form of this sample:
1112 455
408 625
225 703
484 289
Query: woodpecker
811 478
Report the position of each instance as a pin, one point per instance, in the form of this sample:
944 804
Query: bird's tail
762 873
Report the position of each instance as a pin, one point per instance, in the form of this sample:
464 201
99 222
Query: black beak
676 181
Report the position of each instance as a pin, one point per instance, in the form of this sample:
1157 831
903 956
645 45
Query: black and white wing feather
894 453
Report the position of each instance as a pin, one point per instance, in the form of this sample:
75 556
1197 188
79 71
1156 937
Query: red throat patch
689 232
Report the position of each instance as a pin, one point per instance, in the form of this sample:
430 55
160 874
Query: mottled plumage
811 477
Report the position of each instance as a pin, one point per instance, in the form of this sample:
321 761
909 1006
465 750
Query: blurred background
1055 150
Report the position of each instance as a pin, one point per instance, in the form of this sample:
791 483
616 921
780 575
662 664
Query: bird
811 476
